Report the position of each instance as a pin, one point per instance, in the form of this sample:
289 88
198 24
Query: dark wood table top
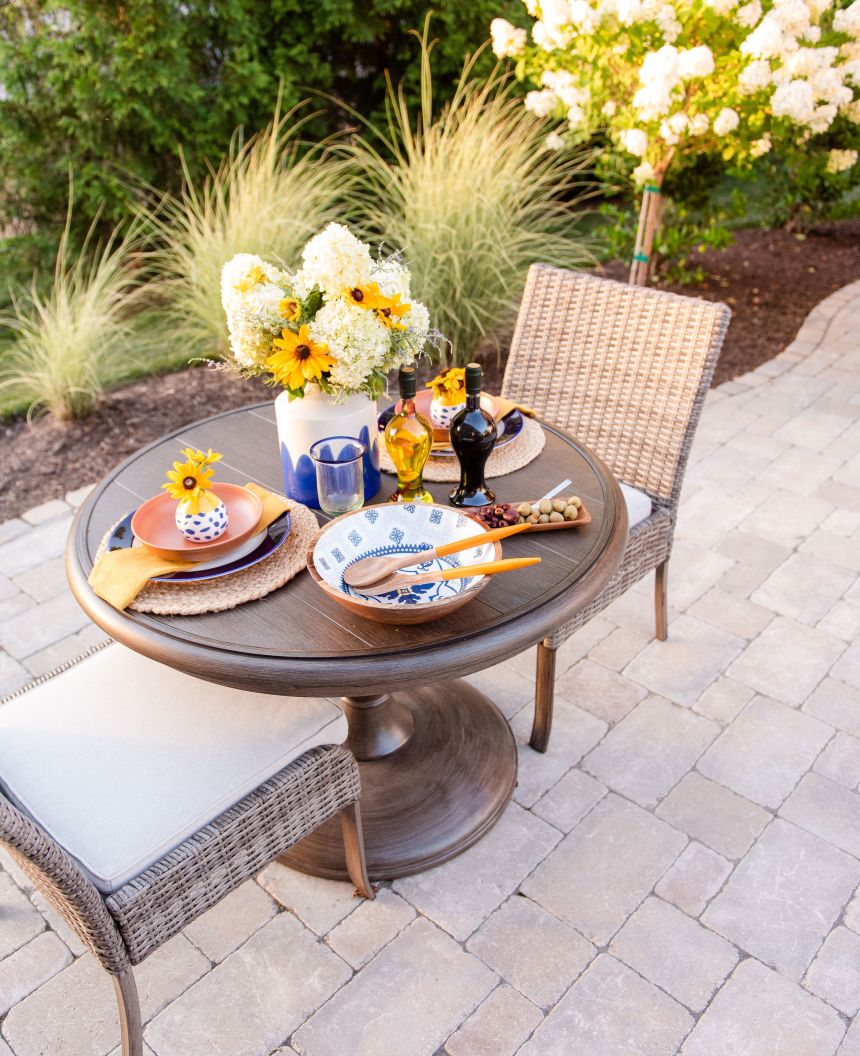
296 640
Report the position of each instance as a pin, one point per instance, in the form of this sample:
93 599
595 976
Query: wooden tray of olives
561 512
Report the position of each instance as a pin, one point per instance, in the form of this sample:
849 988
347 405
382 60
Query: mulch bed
771 280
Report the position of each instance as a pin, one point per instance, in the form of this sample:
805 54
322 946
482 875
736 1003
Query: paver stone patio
678 876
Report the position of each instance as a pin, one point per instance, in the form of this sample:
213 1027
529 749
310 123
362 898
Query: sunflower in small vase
449 396
201 515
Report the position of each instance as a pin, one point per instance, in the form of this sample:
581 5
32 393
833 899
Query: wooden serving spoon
372 569
490 568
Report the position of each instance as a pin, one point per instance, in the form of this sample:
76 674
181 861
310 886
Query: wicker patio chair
136 797
625 369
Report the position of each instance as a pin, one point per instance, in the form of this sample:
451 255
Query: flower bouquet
328 334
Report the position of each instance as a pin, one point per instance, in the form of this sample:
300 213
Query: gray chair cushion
638 504
120 758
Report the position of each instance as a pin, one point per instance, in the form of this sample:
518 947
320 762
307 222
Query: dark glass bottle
473 437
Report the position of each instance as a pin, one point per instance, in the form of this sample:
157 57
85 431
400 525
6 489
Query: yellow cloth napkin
506 406
119 576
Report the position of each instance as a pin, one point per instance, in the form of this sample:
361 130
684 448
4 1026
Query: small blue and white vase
203 526
442 414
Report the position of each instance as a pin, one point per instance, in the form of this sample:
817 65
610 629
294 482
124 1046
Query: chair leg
661 577
544 693
353 845
131 1029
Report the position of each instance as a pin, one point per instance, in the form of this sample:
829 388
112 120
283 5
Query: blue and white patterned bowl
390 529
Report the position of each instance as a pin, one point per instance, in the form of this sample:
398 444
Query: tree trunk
650 215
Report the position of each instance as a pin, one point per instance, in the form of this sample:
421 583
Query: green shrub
111 88
473 197
69 342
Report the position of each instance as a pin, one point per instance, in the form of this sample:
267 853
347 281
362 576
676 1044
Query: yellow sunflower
388 309
297 359
189 482
368 296
290 309
392 313
449 386
200 459
255 277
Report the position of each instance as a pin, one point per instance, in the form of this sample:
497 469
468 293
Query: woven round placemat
216 595
527 446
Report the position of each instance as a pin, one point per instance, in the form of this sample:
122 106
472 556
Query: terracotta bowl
154 524
393 528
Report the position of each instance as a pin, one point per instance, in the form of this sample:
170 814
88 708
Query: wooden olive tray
583 519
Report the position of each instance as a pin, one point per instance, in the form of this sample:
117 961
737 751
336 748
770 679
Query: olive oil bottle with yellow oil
408 440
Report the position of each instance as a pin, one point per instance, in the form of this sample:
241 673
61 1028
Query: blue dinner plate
122 537
509 427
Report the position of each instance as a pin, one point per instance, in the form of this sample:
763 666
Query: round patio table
438 761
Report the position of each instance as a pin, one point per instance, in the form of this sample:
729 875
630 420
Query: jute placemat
216 595
527 446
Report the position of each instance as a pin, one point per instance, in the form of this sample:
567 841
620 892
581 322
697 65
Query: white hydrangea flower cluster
335 260
840 160
263 302
356 338
784 69
507 41
251 290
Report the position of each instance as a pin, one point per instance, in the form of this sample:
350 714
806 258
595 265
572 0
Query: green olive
558 505
544 518
545 507
556 517
570 513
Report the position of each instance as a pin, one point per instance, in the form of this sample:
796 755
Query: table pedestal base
430 789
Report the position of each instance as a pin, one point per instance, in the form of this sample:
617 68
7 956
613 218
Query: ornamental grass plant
74 338
473 196
268 196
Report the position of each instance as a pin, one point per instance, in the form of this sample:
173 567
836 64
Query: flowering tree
668 81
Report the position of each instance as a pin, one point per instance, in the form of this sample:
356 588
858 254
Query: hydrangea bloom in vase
329 334
200 515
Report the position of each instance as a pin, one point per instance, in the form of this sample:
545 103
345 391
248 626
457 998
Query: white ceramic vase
301 423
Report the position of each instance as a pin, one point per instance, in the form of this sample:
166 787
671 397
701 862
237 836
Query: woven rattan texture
624 369
137 919
649 544
64 885
216 595
235 846
518 453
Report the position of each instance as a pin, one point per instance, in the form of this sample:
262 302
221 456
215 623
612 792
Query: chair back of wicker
625 369
64 884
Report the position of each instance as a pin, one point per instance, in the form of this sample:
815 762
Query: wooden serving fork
405 581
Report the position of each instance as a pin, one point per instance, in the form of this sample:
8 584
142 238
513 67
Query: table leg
438 767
